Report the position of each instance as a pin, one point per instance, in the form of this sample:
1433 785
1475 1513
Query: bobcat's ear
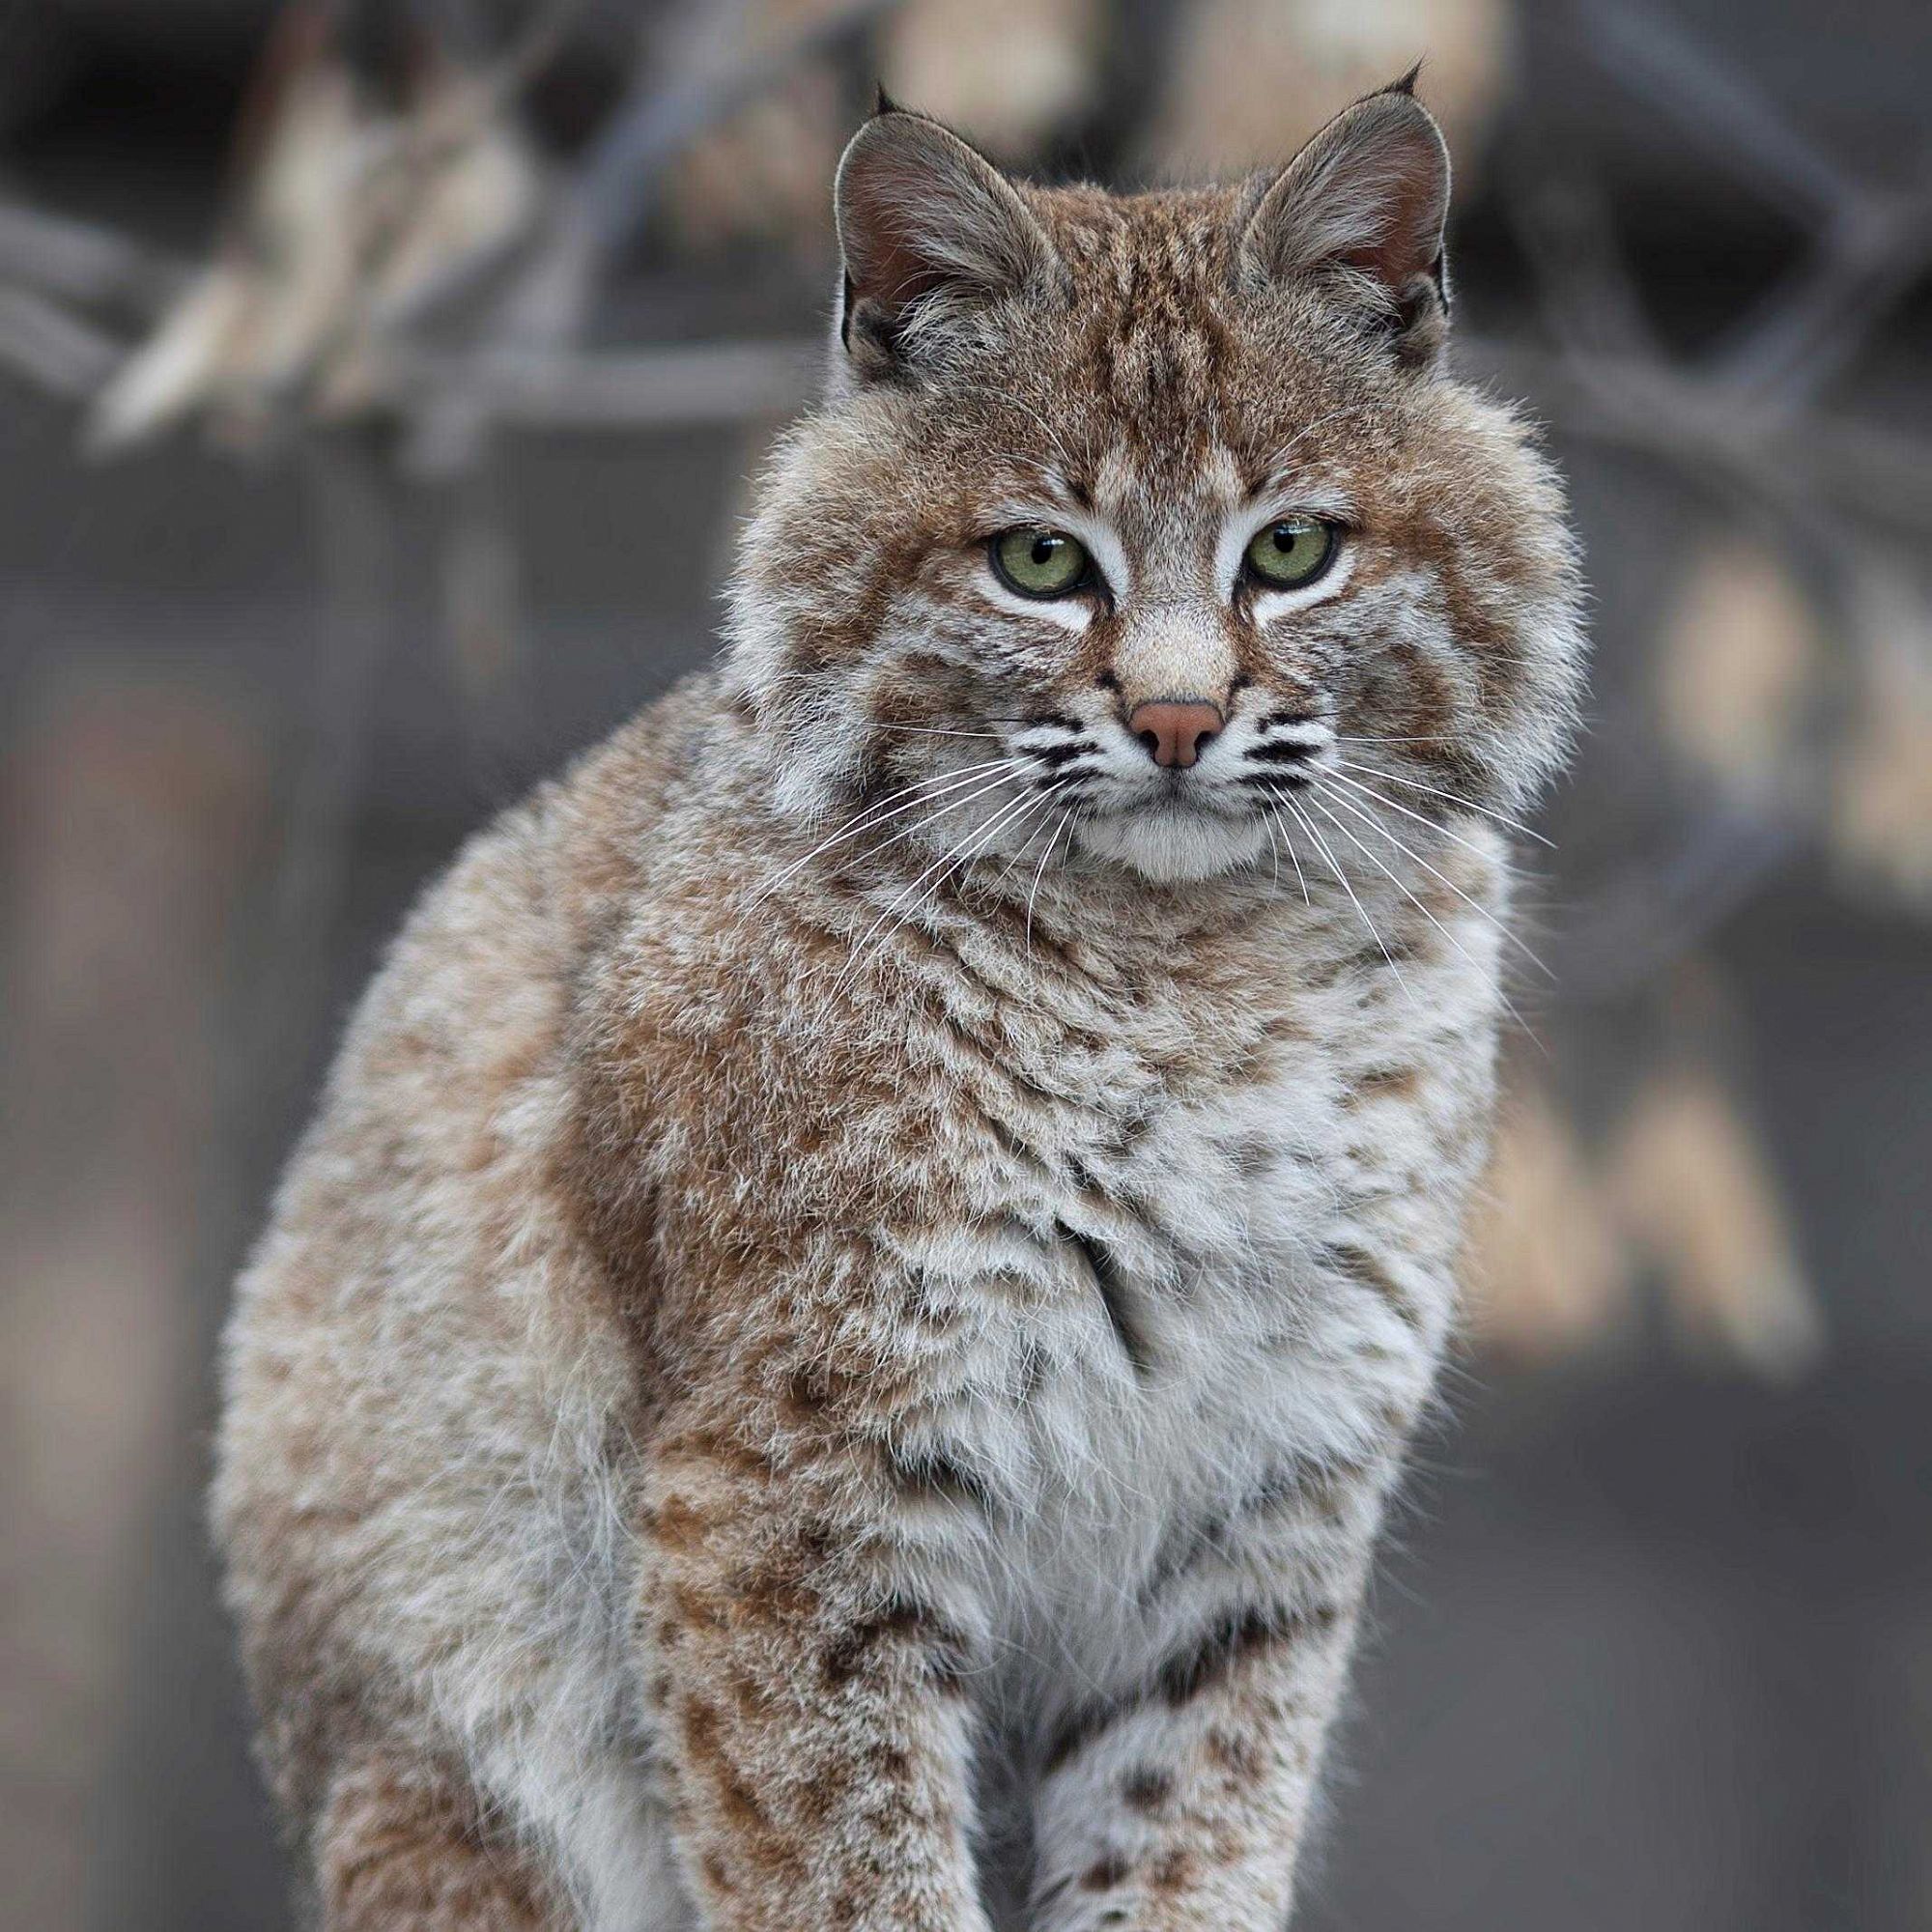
927 228
1365 201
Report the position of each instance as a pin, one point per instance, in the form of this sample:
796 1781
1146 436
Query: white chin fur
1166 843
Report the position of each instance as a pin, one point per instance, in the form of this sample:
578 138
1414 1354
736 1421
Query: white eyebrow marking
1070 613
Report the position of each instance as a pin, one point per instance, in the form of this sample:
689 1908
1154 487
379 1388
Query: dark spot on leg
1360 1266
1172 1872
1146 1788
1235 1640
1078 1729
1105 1873
903 1625
1240 1757
1388 1083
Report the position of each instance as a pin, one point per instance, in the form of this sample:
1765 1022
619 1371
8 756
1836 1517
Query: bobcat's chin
1171 843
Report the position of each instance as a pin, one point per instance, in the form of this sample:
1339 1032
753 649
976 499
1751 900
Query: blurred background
378 385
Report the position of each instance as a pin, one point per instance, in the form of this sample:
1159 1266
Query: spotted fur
834 1352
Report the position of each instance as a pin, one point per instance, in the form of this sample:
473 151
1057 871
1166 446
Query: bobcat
834 1352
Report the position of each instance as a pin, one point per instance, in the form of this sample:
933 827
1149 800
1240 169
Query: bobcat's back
418 1495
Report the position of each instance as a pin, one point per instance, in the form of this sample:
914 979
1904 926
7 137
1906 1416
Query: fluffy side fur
835 1350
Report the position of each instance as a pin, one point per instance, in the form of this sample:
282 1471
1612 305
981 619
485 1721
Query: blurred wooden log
1692 1181
1878 818
1736 668
1549 1272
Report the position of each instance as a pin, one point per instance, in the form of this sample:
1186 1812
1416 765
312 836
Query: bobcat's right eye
1041 563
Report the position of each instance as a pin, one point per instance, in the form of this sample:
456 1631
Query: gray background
1653 1643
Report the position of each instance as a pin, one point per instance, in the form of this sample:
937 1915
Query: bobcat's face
1146 542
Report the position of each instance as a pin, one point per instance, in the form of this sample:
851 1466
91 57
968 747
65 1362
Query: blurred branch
612 194
1874 251
604 206
1697 423
1653 55
1746 415
615 188
1611 380
617 390
1587 292
529 53
1873 242
1659 910
53 350
81 263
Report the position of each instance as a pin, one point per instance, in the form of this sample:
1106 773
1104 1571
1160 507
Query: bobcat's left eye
1041 564
1292 552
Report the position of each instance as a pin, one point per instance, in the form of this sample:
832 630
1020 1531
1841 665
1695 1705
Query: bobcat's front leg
816 1726
1179 1805
1186 1811
1178 1802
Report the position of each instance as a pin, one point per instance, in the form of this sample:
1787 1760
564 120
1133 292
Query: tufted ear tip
927 226
1367 196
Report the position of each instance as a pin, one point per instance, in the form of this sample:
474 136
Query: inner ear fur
926 225
1364 202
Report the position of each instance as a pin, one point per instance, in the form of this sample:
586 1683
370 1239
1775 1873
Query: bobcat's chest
1195 1246
1156 1335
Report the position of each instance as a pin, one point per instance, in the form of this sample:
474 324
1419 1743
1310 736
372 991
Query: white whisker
921 792
1434 825
1342 877
1480 966
1294 858
1065 819
1267 824
1045 806
933 786
937 872
1436 791
986 785
1475 906
1002 820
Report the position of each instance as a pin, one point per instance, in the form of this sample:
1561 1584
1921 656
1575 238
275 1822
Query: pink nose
1174 729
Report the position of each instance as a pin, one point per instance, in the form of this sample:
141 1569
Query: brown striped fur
833 1353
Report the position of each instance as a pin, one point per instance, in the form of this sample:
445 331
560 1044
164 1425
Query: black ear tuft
929 230
885 105
1362 209
1406 84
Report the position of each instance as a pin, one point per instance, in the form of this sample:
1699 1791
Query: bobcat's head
1152 526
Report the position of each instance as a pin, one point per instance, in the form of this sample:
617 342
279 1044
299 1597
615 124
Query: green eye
1291 553
1041 564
